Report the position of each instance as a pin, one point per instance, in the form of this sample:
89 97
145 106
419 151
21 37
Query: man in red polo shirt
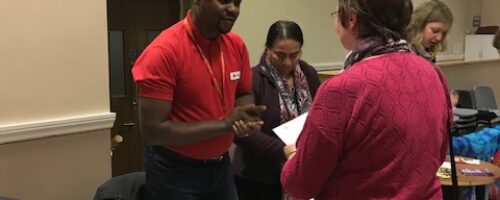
195 93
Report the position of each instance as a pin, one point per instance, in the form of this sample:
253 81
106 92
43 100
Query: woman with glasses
428 28
379 129
286 85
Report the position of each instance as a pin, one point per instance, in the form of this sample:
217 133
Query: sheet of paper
445 170
470 161
289 132
446 165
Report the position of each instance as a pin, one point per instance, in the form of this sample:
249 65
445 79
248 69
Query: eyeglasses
334 14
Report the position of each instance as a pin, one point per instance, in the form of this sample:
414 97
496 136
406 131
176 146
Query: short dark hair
284 29
384 18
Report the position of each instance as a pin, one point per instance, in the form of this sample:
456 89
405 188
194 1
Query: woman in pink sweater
379 129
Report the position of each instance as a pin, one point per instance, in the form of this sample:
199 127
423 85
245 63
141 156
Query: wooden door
132 24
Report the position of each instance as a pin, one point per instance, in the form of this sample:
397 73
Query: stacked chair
486 105
465 120
465 115
466 99
475 109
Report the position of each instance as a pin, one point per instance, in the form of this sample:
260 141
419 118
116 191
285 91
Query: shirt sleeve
154 72
245 83
319 145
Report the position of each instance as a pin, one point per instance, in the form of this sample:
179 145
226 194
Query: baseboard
11 133
449 57
339 65
328 66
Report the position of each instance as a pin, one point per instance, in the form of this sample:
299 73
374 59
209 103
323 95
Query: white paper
289 132
446 165
470 161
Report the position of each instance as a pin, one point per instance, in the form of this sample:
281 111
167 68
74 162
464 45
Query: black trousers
170 175
249 190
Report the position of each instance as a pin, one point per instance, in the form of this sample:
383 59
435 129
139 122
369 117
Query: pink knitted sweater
376 131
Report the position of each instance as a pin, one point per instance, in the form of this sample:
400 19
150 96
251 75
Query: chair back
465 98
125 187
485 98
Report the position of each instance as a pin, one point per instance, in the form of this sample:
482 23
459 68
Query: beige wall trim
338 65
449 57
55 127
328 66
471 62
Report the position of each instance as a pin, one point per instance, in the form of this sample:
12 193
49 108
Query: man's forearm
159 130
178 133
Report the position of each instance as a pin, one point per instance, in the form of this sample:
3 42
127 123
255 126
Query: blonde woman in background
496 41
428 28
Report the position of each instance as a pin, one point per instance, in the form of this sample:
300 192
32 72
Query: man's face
220 14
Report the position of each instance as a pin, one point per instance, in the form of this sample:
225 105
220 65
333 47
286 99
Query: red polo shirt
172 69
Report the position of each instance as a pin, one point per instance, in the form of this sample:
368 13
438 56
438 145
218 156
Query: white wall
322 46
53 59
456 35
320 40
53 73
69 167
490 13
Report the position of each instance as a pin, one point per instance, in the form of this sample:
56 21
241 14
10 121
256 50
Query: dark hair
496 41
284 29
384 18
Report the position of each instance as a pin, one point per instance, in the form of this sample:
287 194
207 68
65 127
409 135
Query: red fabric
493 190
172 69
376 131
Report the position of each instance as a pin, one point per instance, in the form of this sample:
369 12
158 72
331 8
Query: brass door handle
129 124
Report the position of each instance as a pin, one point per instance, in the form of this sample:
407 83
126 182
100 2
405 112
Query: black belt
182 158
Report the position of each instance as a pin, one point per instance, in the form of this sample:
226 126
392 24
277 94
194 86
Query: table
480 182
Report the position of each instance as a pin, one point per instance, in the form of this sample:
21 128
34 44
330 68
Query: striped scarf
373 46
295 101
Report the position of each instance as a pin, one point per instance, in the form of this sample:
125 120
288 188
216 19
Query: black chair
6 198
485 98
486 104
465 121
466 98
125 187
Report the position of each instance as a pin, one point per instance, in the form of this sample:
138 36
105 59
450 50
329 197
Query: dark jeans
170 175
249 190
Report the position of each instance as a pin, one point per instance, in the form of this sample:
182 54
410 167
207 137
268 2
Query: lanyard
220 91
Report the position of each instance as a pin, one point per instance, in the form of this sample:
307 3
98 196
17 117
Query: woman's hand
289 151
244 129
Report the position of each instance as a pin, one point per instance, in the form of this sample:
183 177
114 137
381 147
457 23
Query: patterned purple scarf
295 101
428 53
373 46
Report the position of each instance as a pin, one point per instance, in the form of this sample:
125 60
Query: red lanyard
220 91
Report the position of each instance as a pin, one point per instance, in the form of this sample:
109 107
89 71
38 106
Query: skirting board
55 127
339 65
328 66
